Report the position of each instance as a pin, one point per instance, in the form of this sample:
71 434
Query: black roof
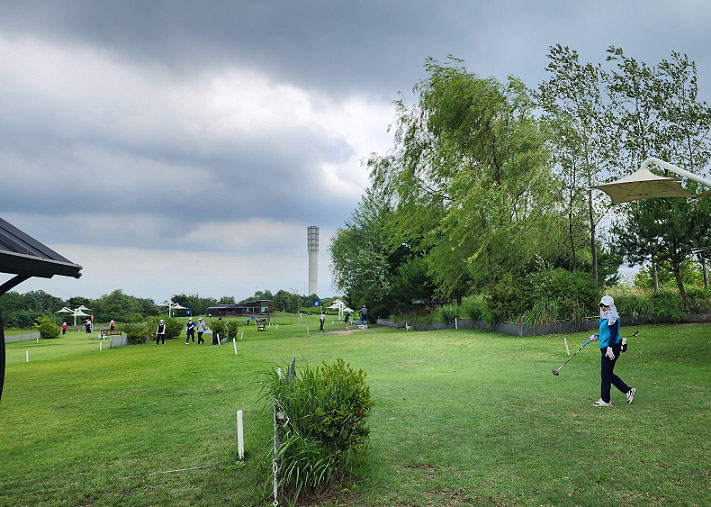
20 254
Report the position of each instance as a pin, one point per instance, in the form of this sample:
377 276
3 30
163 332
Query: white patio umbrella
172 306
78 313
643 184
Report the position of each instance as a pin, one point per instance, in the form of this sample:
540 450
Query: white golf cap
607 301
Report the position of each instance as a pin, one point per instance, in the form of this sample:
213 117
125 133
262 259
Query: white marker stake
240 436
567 350
38 339
218 338
241 336
456 324
277 326
307 329
234 342
27 356
100 344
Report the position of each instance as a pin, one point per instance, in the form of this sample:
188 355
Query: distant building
246 309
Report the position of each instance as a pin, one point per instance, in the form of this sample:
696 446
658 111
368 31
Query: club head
556 372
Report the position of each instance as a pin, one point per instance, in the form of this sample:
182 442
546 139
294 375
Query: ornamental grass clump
321 415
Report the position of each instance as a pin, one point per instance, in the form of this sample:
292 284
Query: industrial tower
312 247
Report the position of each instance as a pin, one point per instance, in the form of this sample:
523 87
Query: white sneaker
601 403
630 395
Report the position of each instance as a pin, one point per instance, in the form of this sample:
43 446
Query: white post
218 338
567 350
279 372
100 344
307 329
277 326
240 435
234 342
27 356
241 336
456 324
38 339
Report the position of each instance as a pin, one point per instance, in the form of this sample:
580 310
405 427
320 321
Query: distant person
610 349
364 315
64 328
112 325
347 318
322 319
87 326
200 330
160 332
190 331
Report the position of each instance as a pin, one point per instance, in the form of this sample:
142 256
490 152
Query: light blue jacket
609 335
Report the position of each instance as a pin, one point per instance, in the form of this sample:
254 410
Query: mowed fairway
460 417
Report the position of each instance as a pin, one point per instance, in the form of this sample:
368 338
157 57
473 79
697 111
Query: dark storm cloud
378 46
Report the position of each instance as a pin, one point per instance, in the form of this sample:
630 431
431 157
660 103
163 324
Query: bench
107 332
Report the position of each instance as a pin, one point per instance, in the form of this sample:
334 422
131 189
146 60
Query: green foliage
473 308
219 327
173 328
232 329
633 305
47 327
667 304
137 333
322 414
545 296
700 299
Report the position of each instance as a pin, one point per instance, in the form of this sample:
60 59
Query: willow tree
469 176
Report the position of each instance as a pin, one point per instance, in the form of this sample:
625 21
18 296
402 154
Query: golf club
556 372
624 348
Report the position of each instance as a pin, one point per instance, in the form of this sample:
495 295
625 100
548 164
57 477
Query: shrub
322 414
173 328
446 314
48 328
633 305
473 308
544 311
667 304
218 328
137 333
232 329
700 299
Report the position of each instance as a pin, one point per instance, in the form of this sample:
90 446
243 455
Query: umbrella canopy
78 313
64 310
642 184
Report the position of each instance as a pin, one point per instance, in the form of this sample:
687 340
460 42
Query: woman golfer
610 348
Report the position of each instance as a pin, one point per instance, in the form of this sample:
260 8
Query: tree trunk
706 272
593 248
571 235
677 276
655 280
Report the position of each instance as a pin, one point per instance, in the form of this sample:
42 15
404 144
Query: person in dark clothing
190 331
160 332
322 319
610 349
364 315
87 326
347 317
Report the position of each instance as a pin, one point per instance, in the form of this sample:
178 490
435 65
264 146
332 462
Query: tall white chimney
312 247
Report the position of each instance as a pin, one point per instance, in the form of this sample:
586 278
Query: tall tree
360 255
577 112
470 177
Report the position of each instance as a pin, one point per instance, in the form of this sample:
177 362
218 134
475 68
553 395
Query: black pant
160 338
608 376
190 334
200 340
321 328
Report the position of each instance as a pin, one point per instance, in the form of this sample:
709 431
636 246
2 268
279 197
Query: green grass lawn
460 417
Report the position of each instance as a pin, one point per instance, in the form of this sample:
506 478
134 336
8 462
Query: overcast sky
184 147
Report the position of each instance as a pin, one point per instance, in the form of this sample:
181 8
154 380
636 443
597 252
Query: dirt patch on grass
343 332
